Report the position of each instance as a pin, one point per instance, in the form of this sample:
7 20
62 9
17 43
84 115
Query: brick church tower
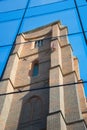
37 86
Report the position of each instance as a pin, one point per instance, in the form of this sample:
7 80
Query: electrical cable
38 89
70 34
20 25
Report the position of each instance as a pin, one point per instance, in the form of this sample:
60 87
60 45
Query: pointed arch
34 68
32 109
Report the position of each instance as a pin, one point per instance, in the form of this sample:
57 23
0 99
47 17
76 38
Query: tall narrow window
38 43
35 69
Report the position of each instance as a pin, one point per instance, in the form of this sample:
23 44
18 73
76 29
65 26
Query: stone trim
71 73
45 26
39 51
59 68
62 71
15 87
8 79
67 46
68 123
15 54
83 112
19 91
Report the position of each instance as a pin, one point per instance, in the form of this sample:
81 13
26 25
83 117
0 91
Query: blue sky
39 13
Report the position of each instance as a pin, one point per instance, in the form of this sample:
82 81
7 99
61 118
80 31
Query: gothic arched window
36 106
32 109
35 69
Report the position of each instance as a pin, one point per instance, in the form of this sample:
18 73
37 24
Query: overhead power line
70 34
43 88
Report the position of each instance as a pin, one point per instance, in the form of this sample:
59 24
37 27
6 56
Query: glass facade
15 19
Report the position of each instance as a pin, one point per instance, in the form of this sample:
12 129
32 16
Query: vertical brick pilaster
72 104
6 102
56 96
